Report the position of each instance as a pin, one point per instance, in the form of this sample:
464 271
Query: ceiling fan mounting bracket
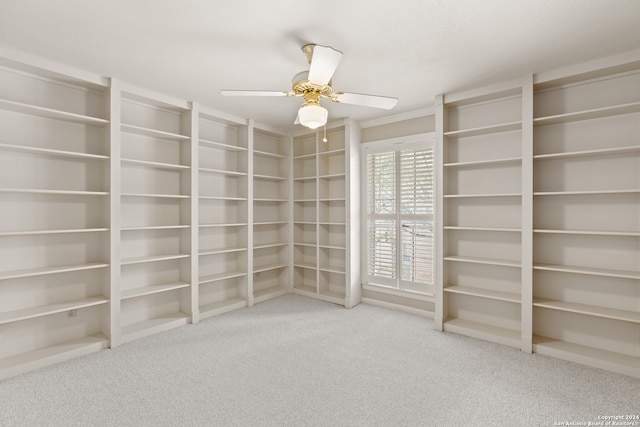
308 51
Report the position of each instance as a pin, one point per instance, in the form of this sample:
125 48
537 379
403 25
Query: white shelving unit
125 213
325 217
223 199
155 215
54 187
586 287
271 215
481 181
540 214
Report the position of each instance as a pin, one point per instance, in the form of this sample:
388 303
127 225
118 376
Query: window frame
412 142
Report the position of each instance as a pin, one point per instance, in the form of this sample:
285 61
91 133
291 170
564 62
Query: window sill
399 292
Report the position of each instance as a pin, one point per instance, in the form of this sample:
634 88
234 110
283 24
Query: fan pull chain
325 134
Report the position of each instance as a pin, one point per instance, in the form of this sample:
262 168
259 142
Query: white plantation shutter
381 170
416 207
382 248
416 181
381 221
399 218
417 252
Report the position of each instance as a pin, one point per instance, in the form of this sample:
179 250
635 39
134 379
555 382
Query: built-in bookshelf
325 217
540 214
271 215
481 173
54 193
586 280
155 221
125 213
223 215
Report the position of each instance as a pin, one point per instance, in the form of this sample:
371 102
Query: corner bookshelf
586 287
155 239
481 214
54 188
305 206
223 215
271 215
326 221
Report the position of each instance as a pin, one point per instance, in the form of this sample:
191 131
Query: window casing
398 215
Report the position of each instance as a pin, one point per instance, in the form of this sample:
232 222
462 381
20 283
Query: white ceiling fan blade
253 93
297 121
324 62
374 101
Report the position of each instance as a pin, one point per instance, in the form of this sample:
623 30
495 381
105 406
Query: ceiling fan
315 84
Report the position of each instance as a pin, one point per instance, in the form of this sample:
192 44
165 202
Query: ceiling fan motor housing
310 91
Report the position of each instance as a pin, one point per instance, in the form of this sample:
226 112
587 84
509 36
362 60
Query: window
398 249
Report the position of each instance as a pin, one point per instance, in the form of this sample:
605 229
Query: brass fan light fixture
315 84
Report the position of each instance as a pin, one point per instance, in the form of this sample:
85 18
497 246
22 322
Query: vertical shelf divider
440 248
248 130
526 329
194 158
318 212
353 295
291 212
115 215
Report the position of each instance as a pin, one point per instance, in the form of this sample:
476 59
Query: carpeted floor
295 361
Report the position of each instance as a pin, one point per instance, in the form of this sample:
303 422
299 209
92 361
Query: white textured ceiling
410 49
